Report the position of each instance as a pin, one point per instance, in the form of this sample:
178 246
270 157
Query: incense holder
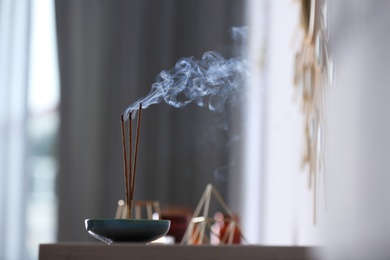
127 230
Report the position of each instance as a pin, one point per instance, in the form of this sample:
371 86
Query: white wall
288 203
277 204
359 143
355 224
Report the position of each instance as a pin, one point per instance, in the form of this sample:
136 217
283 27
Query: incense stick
125 160
136 148
130 199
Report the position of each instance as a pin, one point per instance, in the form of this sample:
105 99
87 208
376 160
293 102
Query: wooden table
87 251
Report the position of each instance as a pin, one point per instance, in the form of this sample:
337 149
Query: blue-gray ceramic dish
127 230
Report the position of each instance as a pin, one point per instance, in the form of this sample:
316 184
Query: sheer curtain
110 53
14 35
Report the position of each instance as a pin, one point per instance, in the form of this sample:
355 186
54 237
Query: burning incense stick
130 166
130 178
125 162
136 148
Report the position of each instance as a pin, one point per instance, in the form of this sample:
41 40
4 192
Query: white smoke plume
211 81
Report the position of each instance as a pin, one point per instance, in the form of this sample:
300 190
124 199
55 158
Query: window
28 123
42 127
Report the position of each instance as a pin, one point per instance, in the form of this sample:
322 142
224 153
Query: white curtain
14 35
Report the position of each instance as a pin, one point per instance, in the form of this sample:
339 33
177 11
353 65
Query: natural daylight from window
43 104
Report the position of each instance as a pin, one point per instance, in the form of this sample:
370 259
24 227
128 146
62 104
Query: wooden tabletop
87 251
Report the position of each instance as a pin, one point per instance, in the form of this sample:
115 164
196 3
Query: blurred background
68 70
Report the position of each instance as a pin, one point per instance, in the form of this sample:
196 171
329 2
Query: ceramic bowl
127 230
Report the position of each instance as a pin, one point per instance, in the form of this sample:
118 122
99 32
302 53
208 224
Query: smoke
212 81
239 34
